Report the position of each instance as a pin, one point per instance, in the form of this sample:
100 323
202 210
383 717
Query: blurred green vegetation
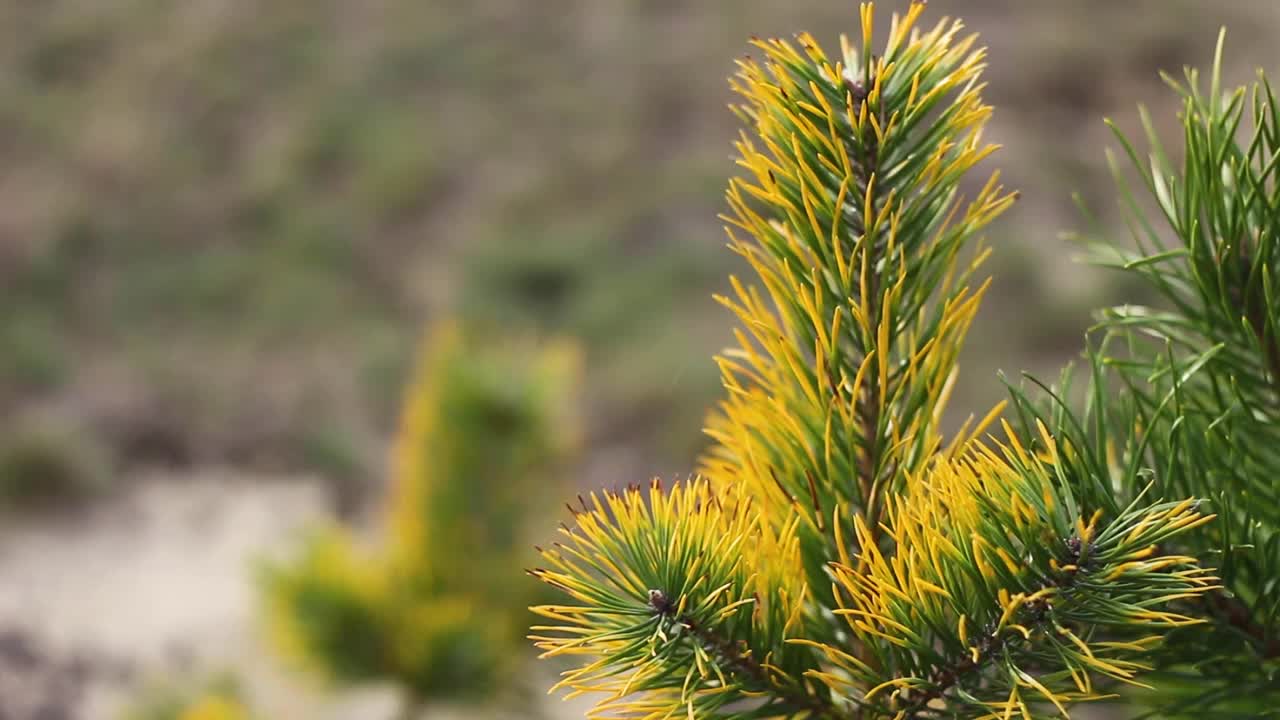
224 222
216 698
45 466
488 432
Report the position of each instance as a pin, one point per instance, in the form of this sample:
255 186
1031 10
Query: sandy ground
153 583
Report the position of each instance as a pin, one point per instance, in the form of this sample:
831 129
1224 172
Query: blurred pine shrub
485 434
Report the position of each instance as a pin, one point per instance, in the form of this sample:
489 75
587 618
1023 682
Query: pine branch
687 600
950 674
988 645
853 223
1199 378
740 662
828 494
957 536
865 170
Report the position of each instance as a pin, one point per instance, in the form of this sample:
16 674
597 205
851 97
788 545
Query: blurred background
226 227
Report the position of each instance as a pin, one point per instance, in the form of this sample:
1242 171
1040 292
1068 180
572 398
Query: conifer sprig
1199 371
999 574
851 216
687 601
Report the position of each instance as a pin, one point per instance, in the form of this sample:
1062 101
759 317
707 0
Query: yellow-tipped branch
699 618
995 574
849 213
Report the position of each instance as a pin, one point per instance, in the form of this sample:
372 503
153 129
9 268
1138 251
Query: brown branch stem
1238 615
867 166
947 676
741 663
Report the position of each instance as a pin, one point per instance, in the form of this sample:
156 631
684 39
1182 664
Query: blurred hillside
224 224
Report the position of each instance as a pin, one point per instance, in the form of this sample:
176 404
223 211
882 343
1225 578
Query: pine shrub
486 432
838 555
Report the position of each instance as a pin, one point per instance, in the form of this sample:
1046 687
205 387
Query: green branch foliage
996 573
837 559
1199 371
854 224
691 591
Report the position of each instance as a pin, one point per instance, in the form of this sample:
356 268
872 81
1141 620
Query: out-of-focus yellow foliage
328 611
484 438
215 707
218 698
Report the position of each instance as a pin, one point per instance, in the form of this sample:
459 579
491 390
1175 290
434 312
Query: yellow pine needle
1008 560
